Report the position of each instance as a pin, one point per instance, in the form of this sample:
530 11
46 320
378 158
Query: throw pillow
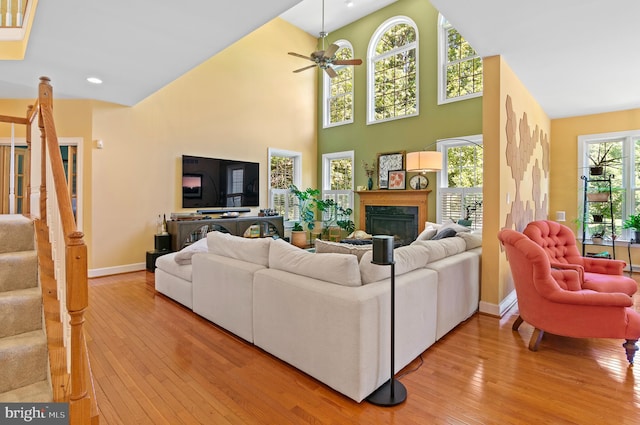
455 226
341 269
183 256
446 232
427 233
323 247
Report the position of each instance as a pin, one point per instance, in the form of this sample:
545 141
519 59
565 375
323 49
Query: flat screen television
219 183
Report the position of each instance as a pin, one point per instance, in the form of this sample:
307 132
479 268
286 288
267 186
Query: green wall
410 134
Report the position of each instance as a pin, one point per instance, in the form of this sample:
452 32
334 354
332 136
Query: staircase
24 367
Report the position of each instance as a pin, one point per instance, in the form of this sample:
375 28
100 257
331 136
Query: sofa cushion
473 240
254 250
442 248
323 247
184 255
168 264
407 258
341 269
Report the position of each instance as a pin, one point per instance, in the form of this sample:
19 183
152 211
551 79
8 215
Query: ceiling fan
325 58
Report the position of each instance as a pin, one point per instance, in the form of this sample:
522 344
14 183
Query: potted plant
597 236
633 222
298 235
334 215
307 202
600 159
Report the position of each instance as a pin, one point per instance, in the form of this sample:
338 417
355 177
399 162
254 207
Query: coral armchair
553 300
559 243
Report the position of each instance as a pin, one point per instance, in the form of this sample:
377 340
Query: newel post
77 302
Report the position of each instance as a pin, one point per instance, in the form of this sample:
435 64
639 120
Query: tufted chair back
557 240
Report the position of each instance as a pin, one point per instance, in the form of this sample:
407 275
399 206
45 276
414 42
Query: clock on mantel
419 181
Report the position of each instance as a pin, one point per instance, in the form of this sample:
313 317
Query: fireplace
416 199
399 222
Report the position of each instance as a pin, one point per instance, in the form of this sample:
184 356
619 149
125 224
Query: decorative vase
370 184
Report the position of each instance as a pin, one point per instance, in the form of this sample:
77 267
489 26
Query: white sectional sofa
327 314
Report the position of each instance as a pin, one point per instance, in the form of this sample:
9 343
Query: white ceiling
575 56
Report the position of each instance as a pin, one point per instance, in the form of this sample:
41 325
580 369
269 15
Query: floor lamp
391 392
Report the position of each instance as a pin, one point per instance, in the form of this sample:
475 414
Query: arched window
459 66
392 74
338 91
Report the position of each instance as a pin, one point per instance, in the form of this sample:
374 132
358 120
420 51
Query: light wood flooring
155 362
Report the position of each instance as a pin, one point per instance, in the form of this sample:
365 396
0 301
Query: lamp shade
424 161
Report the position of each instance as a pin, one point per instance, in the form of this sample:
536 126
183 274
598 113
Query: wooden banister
81 398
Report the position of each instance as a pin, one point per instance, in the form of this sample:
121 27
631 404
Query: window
459 66
392 74
337 178
284 170
338 91
620 154
460 180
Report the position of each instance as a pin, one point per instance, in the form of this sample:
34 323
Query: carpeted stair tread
18 270
40 392
16 233
23 360
20 311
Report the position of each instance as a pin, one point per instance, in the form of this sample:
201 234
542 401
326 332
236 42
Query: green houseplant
333 214
633 222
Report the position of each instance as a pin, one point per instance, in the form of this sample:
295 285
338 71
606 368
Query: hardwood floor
155 362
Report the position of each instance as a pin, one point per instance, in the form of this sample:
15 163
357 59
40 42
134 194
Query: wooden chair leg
517 323
536 336
631 348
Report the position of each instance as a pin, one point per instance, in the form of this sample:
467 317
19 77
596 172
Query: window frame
442 176
628 139
443 62
326 176
373 57
297 180
326 89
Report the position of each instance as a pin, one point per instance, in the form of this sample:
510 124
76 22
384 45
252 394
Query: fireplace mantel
400 198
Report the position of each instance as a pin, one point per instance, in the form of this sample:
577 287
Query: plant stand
597 198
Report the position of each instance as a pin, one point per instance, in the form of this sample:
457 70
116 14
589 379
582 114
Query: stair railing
69 253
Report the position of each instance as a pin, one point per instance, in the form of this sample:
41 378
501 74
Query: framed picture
392 161
397 179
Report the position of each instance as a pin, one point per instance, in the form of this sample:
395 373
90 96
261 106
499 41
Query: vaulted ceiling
575 56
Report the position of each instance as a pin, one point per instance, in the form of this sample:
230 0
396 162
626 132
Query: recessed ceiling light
94 80
349 3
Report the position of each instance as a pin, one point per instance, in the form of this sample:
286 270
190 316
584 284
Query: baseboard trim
498 310
106 271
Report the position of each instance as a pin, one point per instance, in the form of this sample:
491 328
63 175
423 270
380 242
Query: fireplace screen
399 222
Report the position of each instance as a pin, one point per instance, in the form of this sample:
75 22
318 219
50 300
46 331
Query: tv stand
223 210
186 232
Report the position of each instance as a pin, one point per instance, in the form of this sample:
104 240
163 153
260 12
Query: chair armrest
567 266
588 297
569 280
603 265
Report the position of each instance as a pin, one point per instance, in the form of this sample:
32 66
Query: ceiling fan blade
348 62
317 54
333 48
298 55
330 72
305 68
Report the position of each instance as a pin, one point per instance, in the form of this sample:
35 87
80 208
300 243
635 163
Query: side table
152 256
